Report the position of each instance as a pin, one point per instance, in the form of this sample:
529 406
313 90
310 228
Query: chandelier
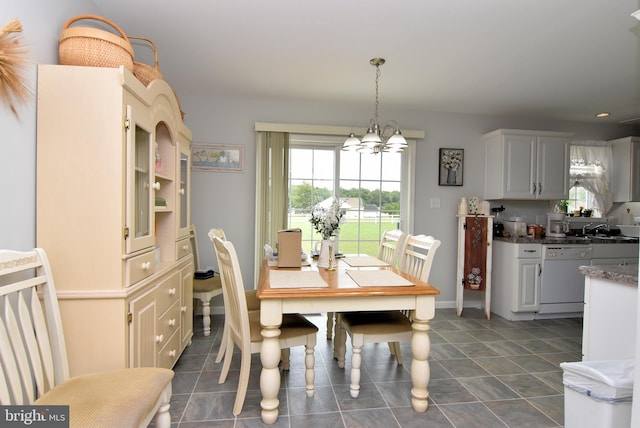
377 139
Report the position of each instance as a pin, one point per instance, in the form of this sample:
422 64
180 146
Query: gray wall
227 200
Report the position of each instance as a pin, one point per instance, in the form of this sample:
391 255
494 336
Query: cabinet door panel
144 317
553 168
527 295
519 166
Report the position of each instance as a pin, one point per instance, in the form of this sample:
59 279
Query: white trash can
597 394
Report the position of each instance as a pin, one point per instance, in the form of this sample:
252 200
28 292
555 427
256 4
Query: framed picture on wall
451 166
214 157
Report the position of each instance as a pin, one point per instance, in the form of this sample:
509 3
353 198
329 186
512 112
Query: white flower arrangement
327 221
474 277
451 159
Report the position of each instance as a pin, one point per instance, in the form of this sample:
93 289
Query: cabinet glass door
183 191
139 186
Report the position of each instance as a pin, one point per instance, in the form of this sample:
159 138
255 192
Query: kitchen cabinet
610 313
113 186
526 165
626 174
475 236
515 293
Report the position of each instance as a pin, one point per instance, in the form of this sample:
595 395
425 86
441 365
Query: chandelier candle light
376 138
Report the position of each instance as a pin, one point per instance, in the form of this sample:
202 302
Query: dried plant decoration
13 63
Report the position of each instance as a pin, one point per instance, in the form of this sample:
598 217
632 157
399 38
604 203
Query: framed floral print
451 167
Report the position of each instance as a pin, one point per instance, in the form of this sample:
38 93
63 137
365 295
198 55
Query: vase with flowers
451 161
475 279
326 219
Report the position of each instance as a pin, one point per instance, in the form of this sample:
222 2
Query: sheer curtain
591 163
272 178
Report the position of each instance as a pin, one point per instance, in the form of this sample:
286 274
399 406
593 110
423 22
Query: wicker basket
94 47
145 73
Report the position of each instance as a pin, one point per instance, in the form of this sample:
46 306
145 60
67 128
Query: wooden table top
340 284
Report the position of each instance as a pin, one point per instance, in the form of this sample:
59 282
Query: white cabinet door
552 168
527 295
520 166
143 318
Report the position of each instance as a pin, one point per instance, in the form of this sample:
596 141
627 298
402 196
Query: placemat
377 278
296 279
363 261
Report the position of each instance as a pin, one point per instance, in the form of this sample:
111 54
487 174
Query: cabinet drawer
529 251
169 322
183 248
139 267
168 355
168 292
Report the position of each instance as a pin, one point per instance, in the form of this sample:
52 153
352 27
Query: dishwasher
561 283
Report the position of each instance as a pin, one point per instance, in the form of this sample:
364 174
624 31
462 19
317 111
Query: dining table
352 283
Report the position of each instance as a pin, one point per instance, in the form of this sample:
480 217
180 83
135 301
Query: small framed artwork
214 157
451 163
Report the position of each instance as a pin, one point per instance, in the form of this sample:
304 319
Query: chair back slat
233 292
417 255
33 356
390 245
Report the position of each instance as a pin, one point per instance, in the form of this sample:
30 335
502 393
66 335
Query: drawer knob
172 322
146 265
182 191
172 291
185 247
156 186
172 353
183 309
159 338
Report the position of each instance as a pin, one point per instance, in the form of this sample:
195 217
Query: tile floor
484 374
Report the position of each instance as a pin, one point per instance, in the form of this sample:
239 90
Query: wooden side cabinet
475 238
113 189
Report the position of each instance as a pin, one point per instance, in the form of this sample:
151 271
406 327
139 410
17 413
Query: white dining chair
33 358
204 289
392 327
244 329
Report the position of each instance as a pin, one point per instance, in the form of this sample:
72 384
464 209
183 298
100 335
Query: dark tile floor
484 373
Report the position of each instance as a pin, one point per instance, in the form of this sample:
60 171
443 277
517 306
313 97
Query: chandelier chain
377 102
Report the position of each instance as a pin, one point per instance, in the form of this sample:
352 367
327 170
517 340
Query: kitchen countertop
571 240
627 274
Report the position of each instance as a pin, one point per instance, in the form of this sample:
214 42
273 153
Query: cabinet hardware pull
172 292
156 186
539 188
159 338
534 188
172 353
172 322
183 309
146 265
182 191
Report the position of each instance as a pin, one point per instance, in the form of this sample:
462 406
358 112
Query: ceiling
548 59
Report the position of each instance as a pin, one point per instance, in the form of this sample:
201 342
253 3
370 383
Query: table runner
296 279
364 261
377 278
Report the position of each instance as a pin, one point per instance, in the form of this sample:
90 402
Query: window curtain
272 178
591 163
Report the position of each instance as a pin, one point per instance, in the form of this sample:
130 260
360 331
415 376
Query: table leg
420 372
270 358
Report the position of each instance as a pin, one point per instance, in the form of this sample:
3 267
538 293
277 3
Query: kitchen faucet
587 228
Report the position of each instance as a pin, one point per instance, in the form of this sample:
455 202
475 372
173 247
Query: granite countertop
627 274
570 240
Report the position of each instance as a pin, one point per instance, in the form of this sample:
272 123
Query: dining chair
33 359
390 245
244 329
204 289
392 327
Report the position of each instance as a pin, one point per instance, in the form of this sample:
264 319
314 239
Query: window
589 172
370 188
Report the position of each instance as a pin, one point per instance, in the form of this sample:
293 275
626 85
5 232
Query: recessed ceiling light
603 114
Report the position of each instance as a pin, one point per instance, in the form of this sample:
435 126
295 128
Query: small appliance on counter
557 226
516 227
498 226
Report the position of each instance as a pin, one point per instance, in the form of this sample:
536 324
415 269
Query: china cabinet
626 176
475 238
113 201
526 165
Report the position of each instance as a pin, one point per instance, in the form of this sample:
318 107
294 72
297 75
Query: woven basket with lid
94 47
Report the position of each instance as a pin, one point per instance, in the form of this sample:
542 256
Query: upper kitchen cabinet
526 164
626 177
113 213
